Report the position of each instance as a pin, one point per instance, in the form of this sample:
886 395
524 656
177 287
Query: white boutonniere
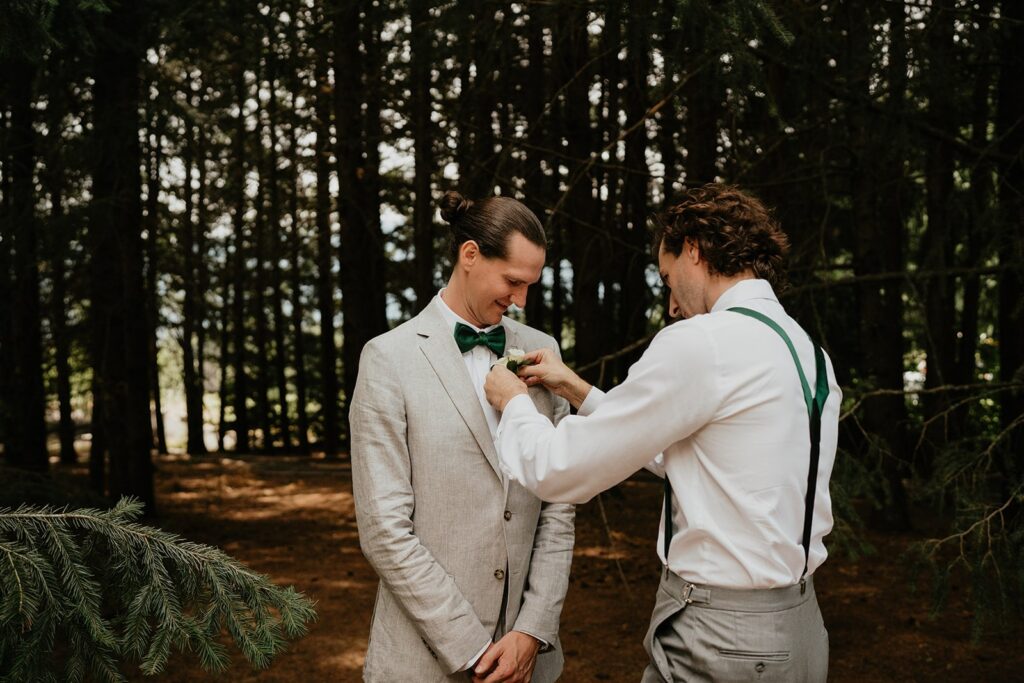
513 359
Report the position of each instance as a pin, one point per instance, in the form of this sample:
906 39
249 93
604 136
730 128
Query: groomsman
473 568
737 408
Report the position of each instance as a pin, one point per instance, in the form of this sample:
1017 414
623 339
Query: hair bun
453 206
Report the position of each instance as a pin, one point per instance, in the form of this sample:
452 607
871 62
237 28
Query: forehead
522 256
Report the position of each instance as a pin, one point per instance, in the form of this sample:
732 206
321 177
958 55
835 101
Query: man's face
686 279
494 284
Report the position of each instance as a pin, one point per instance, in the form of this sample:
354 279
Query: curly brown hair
734 231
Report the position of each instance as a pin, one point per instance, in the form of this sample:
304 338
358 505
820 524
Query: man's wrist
576 392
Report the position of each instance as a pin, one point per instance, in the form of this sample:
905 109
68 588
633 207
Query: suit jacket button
499 574
508 515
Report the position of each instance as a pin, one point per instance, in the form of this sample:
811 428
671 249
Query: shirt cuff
473 661
521 404
544 645
591 402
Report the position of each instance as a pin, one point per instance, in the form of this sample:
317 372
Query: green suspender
814 407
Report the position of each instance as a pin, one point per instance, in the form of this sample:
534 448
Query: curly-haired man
738 410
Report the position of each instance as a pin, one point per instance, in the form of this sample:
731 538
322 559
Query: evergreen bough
84 591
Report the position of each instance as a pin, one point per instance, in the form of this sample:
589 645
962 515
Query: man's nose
518 297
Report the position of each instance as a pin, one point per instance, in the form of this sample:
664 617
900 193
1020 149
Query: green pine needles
84 591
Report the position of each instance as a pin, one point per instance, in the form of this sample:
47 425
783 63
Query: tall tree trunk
121 364
60 239
241 273
154 160
423 130
1010 319
26 397
668 117
193 387
259 240
540 178
587 255
634 254
298 310
363 277
325 263
937 242
702 94
877 174
224 356
275 237
202 277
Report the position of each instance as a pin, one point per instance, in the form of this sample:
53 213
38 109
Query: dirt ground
292 518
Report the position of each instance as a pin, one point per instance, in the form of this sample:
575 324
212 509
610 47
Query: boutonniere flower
513 359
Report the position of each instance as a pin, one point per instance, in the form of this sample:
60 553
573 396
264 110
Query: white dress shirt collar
744 290
452 317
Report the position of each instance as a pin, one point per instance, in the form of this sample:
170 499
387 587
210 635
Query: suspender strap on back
814 404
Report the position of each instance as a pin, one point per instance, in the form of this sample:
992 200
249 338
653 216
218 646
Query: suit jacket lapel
443 355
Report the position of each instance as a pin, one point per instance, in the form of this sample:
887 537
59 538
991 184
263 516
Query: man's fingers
487 660
499 675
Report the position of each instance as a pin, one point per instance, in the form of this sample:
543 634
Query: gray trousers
701 633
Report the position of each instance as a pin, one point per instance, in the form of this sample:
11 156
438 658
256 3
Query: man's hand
502 386
549 370
510 660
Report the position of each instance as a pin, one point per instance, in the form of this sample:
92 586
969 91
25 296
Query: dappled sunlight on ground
292 518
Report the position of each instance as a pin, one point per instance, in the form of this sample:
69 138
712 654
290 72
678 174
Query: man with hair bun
738 410
473 568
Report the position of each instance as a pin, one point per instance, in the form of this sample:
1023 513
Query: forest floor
292 518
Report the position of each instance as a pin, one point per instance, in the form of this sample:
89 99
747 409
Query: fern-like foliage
83 592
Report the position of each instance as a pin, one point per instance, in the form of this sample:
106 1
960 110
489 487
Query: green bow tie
466 337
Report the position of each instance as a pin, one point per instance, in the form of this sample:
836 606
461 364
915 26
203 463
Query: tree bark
423 130
26 396
121 362
240 271
275 237
325 263
154 160
361 256
298 310
1010 317
193 385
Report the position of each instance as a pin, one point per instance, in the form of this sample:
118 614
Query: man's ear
691 251
469 252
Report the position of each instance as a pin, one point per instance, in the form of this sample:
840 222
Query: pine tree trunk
240 274
668 117
634 254
325 276
154 160
193 387
26 397
361 256
298 310
586 253
423 131
937 243
540 185
275 239
202 279
121 364
259 275
879 228
60 238
702 95
1010 318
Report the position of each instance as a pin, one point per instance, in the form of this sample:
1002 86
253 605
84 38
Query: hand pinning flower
513 360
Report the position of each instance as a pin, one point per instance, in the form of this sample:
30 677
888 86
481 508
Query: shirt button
508 515
499 574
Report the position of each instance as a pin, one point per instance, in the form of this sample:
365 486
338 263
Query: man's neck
452 297
718 285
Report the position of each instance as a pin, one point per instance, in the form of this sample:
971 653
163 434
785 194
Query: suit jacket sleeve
548 579
384 501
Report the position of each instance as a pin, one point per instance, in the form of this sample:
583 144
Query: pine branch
83 592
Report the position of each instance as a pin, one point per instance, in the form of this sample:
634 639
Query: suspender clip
803 586
687 592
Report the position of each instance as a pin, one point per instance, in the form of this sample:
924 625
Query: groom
473 568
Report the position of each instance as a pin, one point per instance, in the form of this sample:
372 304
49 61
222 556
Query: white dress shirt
478 363
719 397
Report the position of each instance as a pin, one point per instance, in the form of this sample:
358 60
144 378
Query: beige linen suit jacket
438 520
